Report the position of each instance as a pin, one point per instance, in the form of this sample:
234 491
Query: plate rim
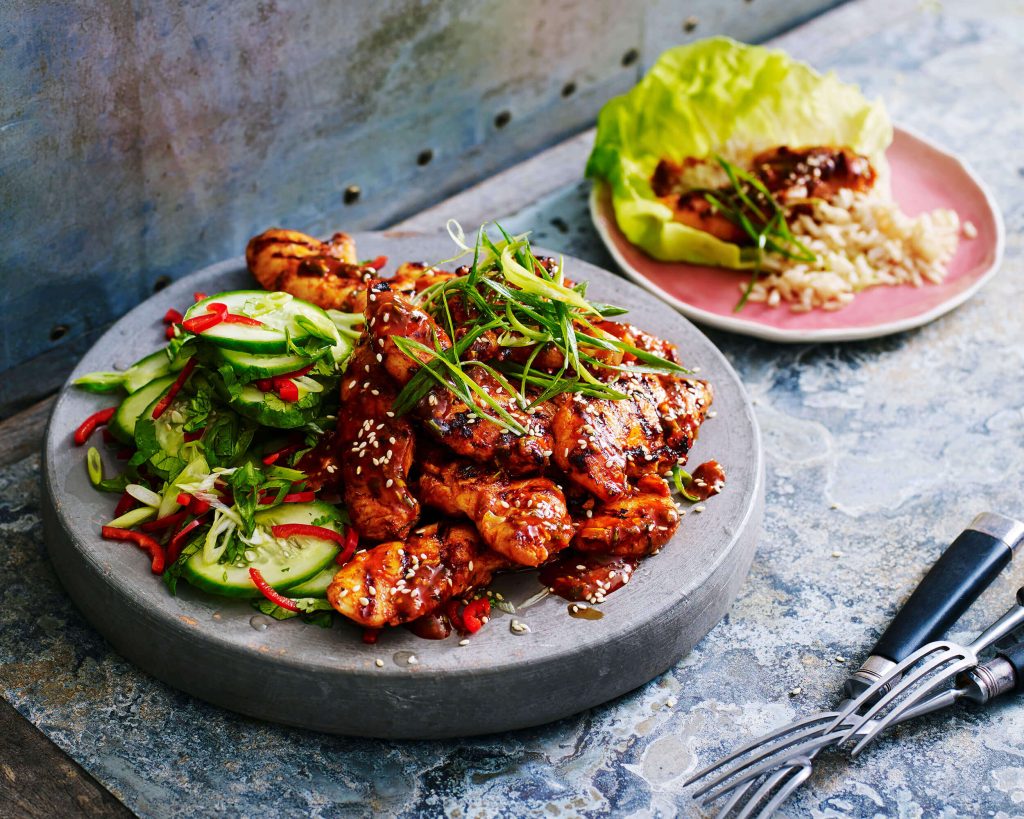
740 544
756 329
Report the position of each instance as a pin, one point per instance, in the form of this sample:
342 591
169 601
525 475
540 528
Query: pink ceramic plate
924 177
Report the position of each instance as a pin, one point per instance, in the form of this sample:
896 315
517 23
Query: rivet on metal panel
568 89
160 283
352 193
424 157
502 119
690 23
630 57
58 332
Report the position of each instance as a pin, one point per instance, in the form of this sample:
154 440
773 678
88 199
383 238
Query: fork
927 670
961 574
980 685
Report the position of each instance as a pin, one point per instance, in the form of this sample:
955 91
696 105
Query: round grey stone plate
224 652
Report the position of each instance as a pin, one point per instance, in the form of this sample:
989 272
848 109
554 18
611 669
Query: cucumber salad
221 438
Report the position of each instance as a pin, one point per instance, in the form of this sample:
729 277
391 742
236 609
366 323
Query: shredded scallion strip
522 303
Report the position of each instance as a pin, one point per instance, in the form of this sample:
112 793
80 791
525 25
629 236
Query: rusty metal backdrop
140 141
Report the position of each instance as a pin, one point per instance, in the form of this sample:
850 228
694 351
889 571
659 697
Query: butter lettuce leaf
718 96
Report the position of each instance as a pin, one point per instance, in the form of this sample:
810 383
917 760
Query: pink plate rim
601 216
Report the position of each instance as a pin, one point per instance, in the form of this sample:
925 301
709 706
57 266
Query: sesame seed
379 663
463 642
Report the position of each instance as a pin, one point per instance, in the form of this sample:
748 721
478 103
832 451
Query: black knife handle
964 571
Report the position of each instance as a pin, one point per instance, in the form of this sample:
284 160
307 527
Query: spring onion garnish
682 479
748 204
520 303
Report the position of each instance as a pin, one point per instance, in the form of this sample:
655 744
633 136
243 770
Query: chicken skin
601 443
322 273
375 452
523 520
402 580
635 524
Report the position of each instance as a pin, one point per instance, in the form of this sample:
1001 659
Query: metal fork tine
797 752
763 750
847 712
797 775
904 685
910 702
751 808
761 741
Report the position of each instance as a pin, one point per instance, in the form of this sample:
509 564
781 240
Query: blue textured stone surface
878 454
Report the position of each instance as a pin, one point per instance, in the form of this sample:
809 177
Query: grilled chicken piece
601 443
451 421
402 580
323 273
415 277
634 525
447 417
523 520
375 451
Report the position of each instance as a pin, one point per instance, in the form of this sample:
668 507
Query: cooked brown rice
860 240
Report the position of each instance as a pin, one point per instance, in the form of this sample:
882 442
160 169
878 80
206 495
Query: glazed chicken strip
523 520
601 443
323 273
375 451
634 525
449 419
400 581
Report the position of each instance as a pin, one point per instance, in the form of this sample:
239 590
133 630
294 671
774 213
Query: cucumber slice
122 425
283 563
271 411
281 314
316 586
153 366
251 366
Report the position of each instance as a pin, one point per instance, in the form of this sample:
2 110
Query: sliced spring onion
144 495
94 463
133 518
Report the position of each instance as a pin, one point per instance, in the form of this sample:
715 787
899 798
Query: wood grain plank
39 781
22 434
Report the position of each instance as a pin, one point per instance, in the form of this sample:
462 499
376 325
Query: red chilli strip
167 522
299 497
194 436
217 307
197 505
286 390
165 402
88 426
126 504
370 636
234 318
202 323
178 540
268 591
108 438
287 530
272 458
156 553
474 614
351 542
294 373
379 262
172 316
265 384
170 331
198 296
451 608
